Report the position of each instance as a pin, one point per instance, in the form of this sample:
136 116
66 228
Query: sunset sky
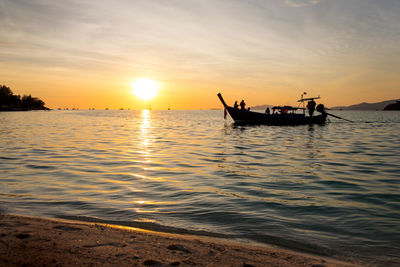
77 53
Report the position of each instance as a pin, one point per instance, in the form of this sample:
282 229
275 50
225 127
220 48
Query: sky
85 54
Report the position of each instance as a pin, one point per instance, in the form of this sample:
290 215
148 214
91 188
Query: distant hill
260 107
393 106
367 106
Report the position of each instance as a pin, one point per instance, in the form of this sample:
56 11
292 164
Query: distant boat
282 115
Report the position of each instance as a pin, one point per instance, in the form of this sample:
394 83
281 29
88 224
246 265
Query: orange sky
86 54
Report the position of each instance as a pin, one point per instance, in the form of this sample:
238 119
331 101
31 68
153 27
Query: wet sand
34 241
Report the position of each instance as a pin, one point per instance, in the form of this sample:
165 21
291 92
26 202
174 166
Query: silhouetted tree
11 102
5 94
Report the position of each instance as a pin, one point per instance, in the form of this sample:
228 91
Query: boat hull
251 117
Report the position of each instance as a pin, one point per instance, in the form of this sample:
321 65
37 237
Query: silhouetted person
242 105
235 105
267 111
321 108
311 107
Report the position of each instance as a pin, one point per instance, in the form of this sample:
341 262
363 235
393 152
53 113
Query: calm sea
332 189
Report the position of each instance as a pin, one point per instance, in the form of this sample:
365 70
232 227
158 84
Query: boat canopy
308 99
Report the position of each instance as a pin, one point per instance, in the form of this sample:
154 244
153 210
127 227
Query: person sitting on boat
242 105
311 107
267 111
235 105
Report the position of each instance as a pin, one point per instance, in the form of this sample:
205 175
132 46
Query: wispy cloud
256 42
301 3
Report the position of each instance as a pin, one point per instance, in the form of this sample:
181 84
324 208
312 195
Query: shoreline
37 241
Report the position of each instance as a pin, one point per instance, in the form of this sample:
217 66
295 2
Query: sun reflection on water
145 145
144 139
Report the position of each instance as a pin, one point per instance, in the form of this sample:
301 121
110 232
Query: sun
145 88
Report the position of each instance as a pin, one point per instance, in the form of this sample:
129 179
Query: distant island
384 105
261 107
367 106
393 106
11 102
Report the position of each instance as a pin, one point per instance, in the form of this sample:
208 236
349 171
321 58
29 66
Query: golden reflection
124 227
144 138
141 203
139 210
145 143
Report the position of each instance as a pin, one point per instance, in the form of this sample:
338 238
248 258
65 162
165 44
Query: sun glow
145 88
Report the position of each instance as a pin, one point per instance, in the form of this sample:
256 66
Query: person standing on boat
311 107
267 111
235 105
242 105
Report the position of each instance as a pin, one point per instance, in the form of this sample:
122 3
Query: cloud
301 3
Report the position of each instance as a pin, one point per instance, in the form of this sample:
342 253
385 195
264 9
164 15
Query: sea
331 189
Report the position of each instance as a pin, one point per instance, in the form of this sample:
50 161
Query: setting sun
145 88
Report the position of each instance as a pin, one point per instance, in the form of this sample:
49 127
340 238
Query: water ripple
323 189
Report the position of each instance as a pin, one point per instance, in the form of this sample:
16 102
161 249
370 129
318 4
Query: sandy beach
31 241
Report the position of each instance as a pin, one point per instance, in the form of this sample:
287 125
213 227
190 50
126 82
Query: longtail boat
281 115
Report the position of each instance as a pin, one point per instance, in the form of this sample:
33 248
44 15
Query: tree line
11 102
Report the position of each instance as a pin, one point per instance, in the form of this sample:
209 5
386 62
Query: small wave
146 226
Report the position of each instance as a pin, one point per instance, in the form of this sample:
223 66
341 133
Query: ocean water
332 189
